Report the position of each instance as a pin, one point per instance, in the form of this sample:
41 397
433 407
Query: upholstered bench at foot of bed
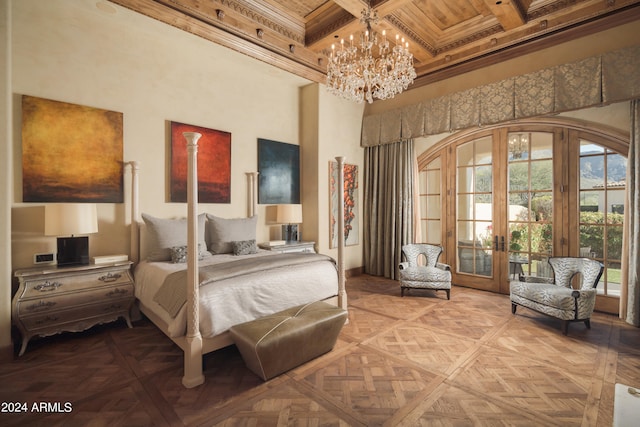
277 343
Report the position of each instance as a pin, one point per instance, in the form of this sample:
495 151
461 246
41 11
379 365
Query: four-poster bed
200 326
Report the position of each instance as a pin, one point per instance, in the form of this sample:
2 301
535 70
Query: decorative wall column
252 193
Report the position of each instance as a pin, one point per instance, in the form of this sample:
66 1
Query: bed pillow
179 254
164 234
224 231
244 247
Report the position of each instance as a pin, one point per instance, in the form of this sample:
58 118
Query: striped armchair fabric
432 275
556 297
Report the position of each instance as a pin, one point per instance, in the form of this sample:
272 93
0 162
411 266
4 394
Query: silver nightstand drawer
82 317
58 285
83 296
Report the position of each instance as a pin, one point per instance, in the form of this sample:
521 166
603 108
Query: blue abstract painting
278 172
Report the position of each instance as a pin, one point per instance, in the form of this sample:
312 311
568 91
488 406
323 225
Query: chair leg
588 323
565 327
513 308
401 291
448 291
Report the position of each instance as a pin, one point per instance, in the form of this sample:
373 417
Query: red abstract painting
214 164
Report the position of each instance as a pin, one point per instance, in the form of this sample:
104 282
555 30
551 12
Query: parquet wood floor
414 361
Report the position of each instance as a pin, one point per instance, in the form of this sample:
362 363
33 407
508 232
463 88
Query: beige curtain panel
388 205
603 79
630 296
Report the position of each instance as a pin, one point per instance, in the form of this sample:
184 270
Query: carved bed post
135 212
252 202
193 347
342 293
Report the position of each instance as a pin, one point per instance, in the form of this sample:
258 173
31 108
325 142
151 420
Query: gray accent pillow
244 247
164 234
223 232
179 254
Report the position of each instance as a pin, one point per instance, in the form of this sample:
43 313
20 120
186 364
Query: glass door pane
474 208
601 200
530 197
430 203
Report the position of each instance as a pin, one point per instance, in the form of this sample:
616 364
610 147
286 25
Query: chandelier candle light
355 74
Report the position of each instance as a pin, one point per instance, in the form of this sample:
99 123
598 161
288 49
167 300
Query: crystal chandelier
518 145
355 74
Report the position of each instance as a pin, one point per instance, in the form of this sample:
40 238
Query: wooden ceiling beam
508 13
389 6
340 19
327 22
354 7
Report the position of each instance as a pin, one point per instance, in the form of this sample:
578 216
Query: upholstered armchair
432 275
555 296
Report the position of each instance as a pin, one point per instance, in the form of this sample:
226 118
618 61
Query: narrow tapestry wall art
278 172
350 194
214 164
71 153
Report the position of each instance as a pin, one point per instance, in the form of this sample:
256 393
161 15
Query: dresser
54 299
291 246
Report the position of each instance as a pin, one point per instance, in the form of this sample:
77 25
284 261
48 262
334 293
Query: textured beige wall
331 129
310 140
5 180
339 124
616 115
95 53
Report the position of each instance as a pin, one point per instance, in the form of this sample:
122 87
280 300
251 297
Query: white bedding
238 299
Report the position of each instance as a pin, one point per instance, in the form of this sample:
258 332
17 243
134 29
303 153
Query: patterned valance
602 79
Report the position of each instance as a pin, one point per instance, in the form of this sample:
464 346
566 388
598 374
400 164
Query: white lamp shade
69 219
289 214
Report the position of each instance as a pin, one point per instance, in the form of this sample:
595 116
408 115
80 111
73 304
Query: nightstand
290 247
57 299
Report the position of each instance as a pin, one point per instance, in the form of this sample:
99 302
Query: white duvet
238 299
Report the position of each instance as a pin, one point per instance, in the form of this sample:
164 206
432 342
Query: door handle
495 242
502 243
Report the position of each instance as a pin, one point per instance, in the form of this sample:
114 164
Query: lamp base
73 251
290 232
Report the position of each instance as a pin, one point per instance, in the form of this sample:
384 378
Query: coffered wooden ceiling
446 37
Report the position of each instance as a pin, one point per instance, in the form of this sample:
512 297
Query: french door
503 200
476 196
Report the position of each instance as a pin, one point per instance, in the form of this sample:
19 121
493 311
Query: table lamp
290 216
66 221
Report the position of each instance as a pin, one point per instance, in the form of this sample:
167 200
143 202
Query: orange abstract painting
214 164
70 153
350 194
